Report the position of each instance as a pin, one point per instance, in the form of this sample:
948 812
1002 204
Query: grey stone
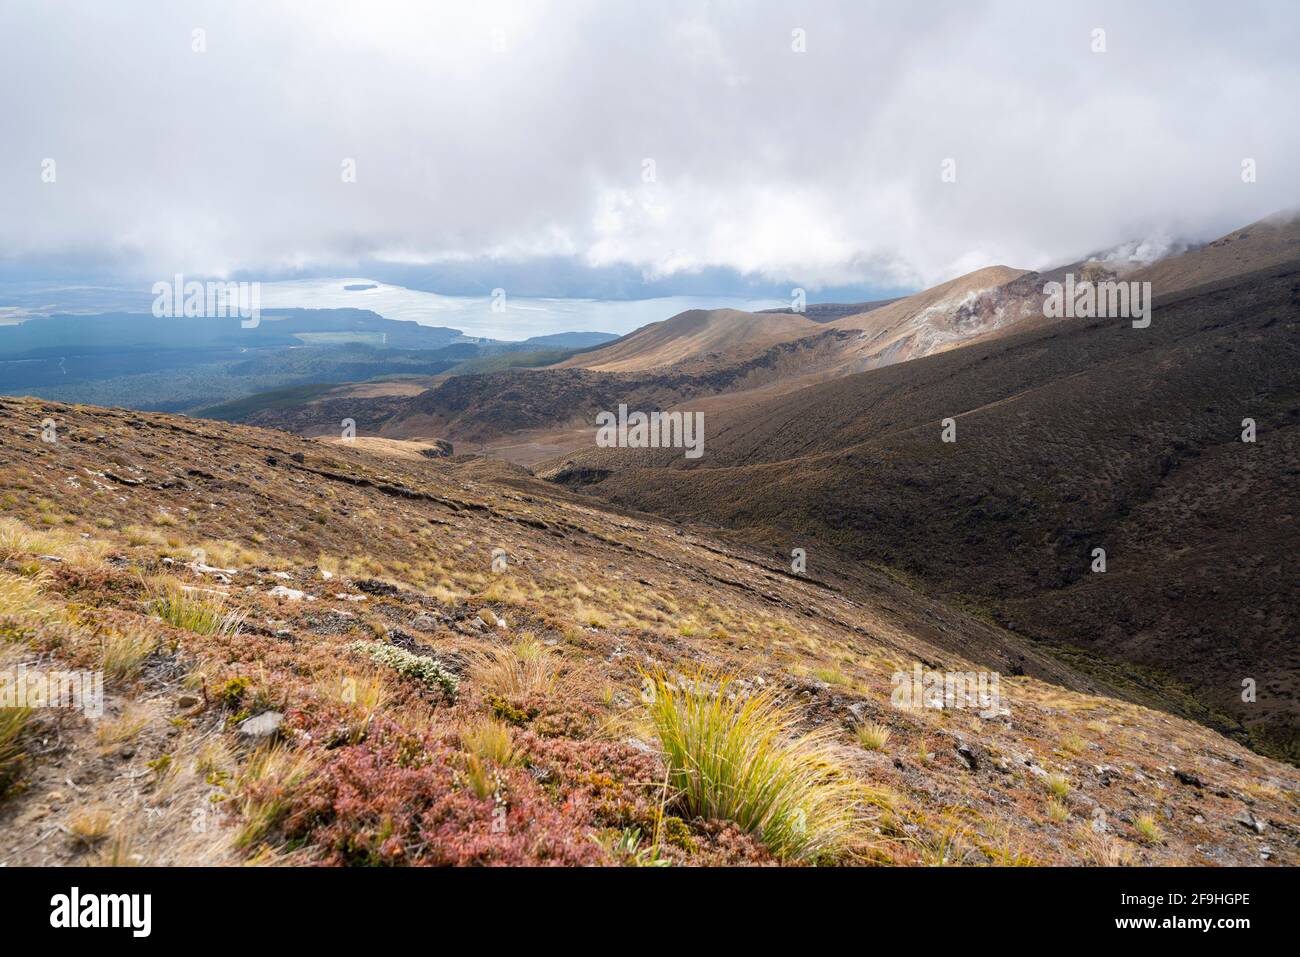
263 725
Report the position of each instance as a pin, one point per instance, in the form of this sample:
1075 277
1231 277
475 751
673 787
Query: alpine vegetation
741 758
411 665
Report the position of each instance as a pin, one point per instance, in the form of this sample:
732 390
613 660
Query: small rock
1188 778
187 701
424 623
263 725
1248 820
373 586
401 637
967 754
289 594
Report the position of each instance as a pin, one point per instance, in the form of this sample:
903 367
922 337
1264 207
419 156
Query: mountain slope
1070 436
1270 242
369 624
728 333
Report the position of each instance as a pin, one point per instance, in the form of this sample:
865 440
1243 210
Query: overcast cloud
821 168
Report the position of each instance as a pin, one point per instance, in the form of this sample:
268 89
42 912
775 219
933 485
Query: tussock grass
15 540
1057 811
13 721
137 537
1073 744
1148 829
833 675
363 693
118 849
21 599
491 741
1058 784
525 667
122 729
741 759
270 780
1107 851
90 825
945 847
871 735
122 652
186 610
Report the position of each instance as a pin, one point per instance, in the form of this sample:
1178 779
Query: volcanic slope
316 655
1071 436
1271 242
728 333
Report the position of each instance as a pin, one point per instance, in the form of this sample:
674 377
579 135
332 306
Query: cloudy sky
584 146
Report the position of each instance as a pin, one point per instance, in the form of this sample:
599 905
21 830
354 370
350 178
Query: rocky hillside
1071 436
316 654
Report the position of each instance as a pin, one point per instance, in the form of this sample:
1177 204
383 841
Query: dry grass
525 667
120 730
490 741
118 849
13 722
741 759
90 825
269 782
872 735
17 540
121 653
21 599
364 694
184 609
1107 851
1148 830
1058 784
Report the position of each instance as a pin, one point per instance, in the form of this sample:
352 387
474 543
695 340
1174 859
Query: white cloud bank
516 130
